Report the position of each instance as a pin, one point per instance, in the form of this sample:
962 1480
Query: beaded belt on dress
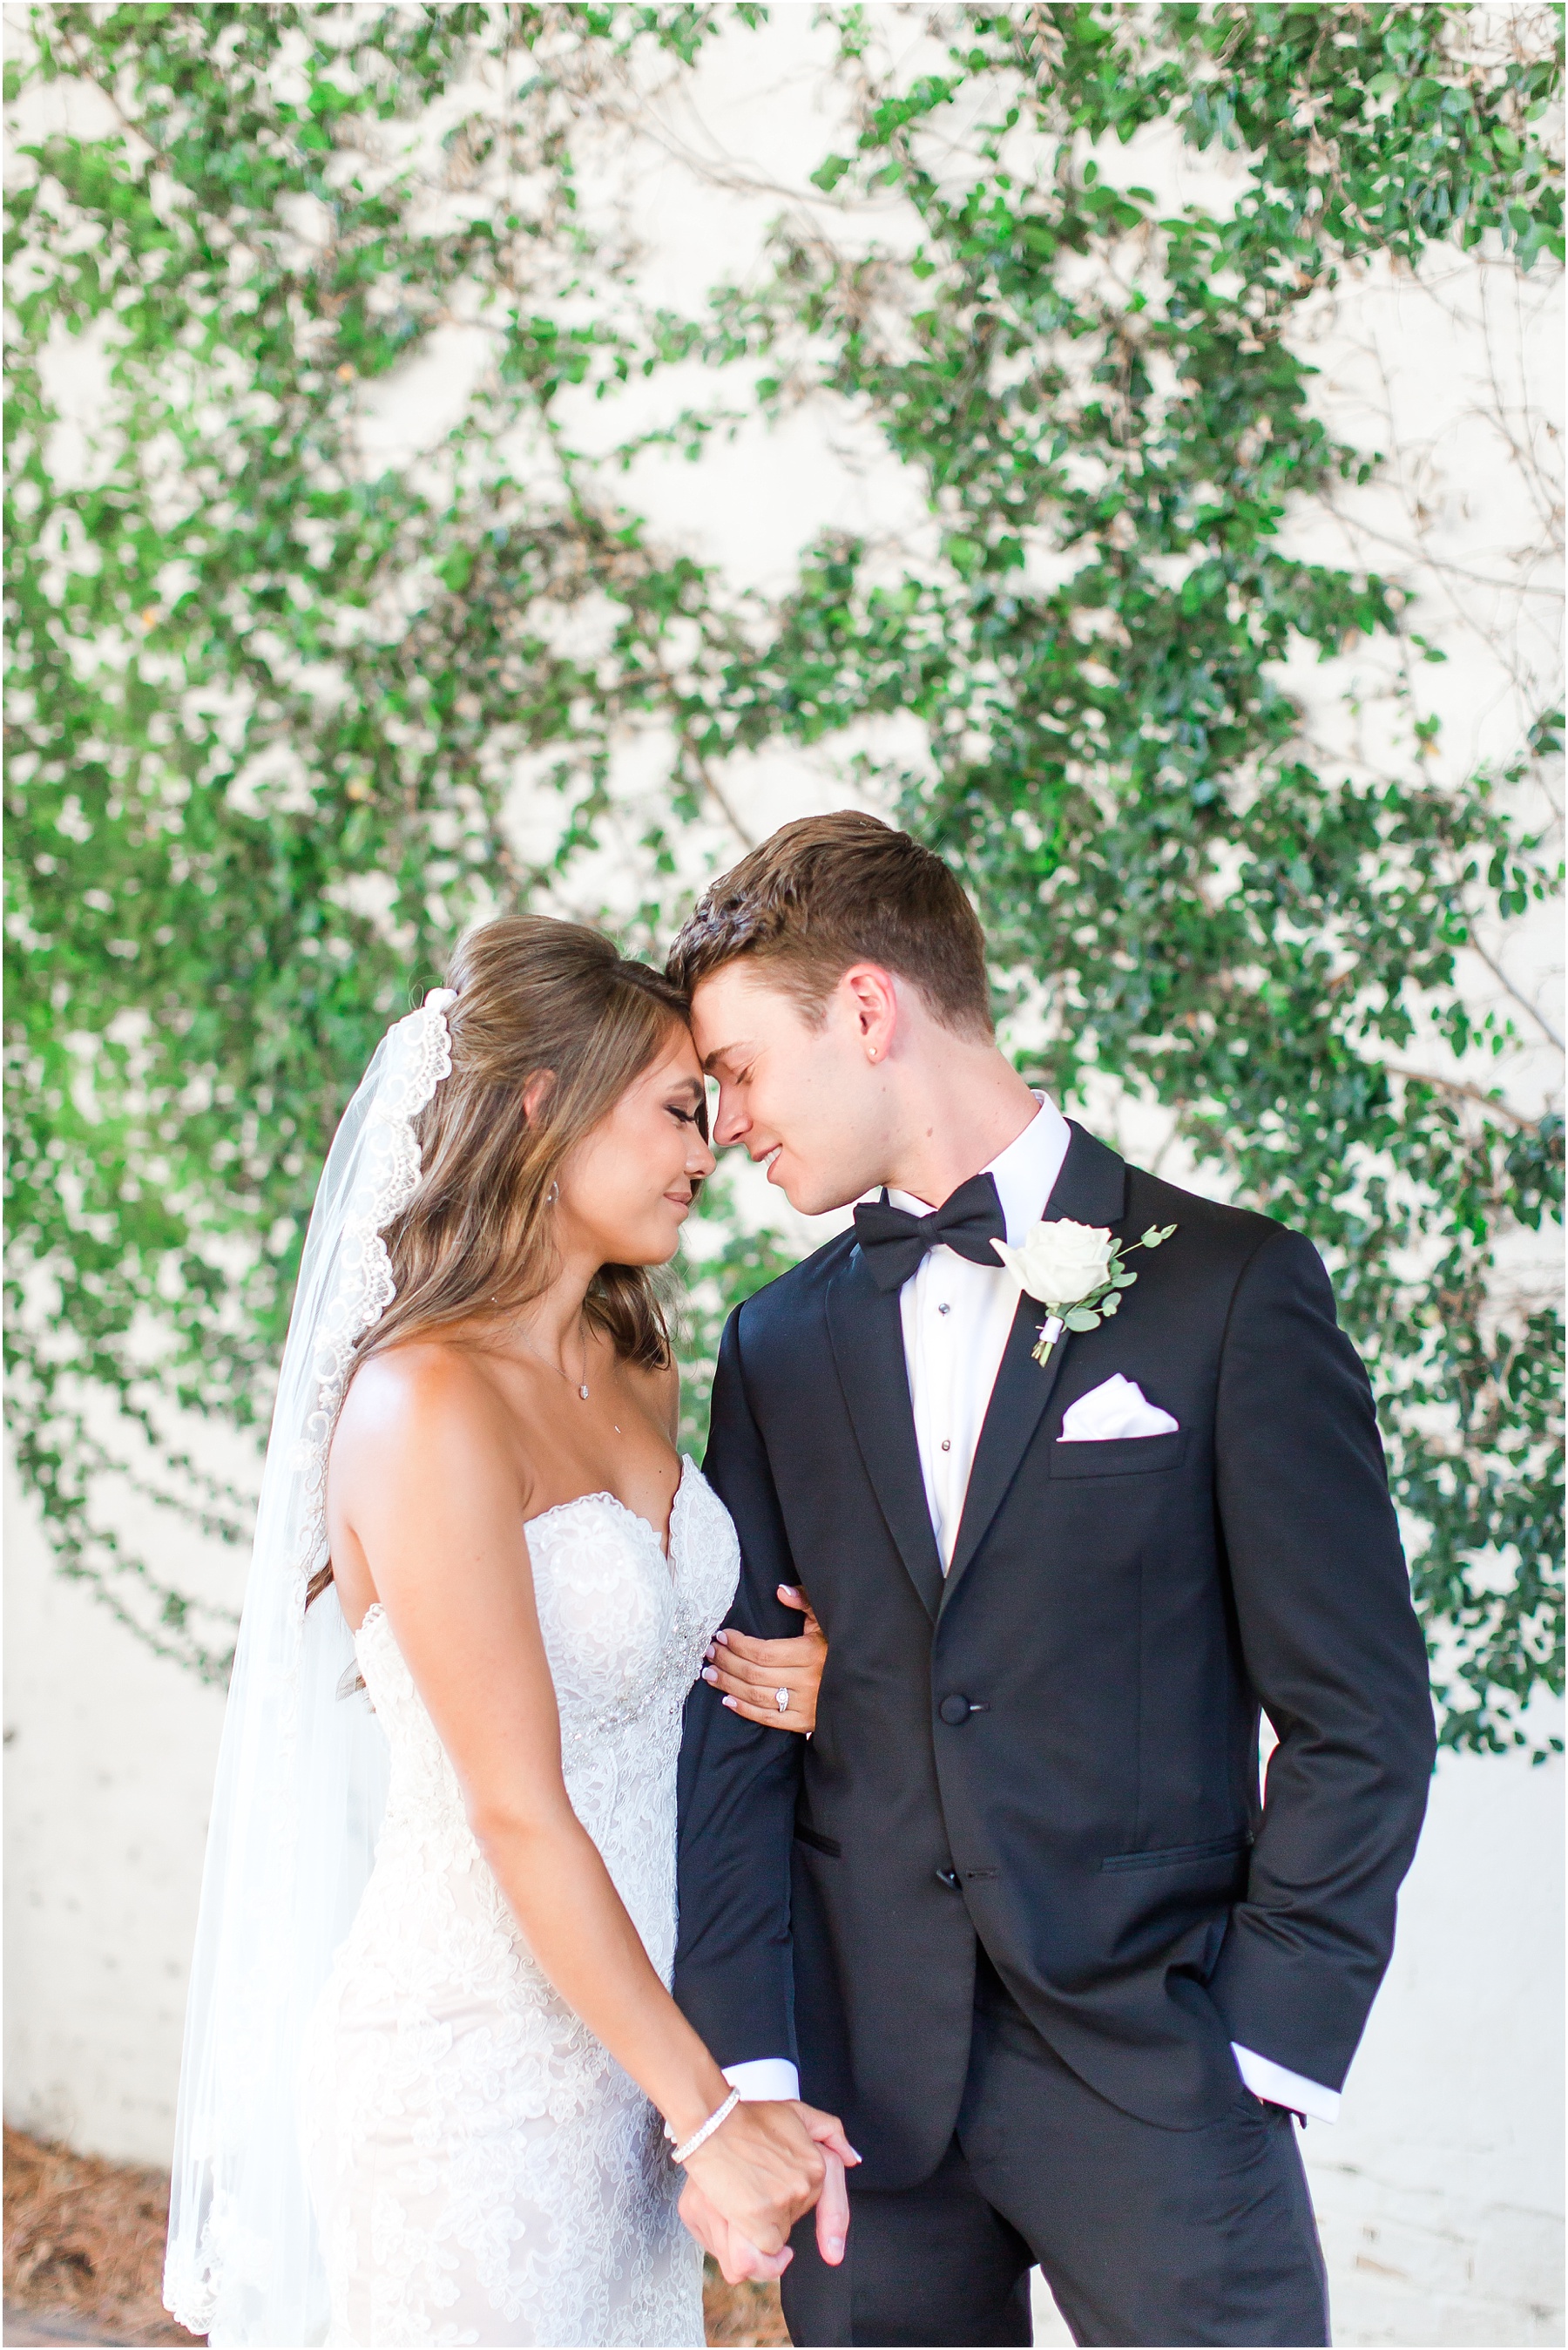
673 1682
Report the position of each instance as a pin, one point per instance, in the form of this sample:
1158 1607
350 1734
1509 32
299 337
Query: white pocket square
1117 1406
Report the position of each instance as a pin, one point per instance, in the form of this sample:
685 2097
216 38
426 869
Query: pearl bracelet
681 2154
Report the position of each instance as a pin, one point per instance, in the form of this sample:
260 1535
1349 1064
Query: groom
1018 1913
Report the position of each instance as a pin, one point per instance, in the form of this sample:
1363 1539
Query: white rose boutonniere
1077 1272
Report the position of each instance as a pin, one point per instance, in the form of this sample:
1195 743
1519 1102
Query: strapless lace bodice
483 2171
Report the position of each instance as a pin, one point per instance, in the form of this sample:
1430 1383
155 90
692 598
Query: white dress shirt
956 1317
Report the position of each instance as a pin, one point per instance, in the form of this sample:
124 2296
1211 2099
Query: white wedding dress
483 2170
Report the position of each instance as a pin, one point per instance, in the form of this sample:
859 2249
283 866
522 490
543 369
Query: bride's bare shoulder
432 1392
425 1466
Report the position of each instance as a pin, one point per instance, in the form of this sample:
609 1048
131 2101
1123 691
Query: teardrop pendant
584 1393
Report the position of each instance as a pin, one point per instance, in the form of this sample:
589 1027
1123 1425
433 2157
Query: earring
552 1195
871 1052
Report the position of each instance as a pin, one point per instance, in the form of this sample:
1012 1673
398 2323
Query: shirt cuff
1272 2083
763 2077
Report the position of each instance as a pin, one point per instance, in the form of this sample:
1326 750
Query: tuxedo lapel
867 1334
1090 1190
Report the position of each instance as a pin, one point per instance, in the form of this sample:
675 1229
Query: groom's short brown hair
830 890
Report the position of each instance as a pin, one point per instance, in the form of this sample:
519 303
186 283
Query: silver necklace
581 1385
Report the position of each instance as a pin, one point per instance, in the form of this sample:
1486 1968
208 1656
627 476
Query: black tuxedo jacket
1056 1750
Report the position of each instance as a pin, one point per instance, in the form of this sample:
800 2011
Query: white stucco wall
109 1756
1439 2191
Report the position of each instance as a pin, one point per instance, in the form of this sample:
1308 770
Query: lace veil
301 1782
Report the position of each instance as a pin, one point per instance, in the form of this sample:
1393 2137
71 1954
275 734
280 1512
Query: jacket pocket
818 1842
1217 1848
1117 1456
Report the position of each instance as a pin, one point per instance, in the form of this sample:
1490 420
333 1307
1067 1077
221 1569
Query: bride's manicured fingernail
722 1639
708 1672
730 1703
709 1652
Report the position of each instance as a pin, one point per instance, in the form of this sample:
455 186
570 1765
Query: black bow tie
893 1241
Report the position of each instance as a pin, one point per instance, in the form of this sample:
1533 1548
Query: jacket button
954 1710
948 1877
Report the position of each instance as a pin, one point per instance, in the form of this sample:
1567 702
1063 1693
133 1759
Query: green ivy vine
284 717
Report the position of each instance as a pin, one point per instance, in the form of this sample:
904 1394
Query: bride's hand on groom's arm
748 1673
746 2188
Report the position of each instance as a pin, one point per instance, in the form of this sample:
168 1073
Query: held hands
749 1673
746 2188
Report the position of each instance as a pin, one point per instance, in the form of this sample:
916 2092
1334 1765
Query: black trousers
1145 2235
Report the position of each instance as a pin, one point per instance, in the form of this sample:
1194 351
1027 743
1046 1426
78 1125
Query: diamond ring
780 1698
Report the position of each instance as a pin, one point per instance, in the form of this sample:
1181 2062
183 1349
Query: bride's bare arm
427 1489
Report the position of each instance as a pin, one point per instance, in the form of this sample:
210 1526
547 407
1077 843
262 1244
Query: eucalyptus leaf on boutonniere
1076 1271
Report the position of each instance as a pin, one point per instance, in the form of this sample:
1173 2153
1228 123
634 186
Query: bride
435 2089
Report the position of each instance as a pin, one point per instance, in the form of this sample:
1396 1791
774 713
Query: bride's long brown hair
536 998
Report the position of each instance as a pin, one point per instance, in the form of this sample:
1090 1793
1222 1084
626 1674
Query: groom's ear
869 998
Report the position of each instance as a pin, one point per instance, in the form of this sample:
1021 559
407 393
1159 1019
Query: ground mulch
742 2314
84 2248
84 2258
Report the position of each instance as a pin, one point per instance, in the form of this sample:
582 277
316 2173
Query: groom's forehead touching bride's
837 982
792 1090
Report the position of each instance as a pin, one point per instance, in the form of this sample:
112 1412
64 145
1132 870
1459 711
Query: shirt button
944 1309
947 1445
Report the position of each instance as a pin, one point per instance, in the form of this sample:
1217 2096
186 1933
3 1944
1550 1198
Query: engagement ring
780 1698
